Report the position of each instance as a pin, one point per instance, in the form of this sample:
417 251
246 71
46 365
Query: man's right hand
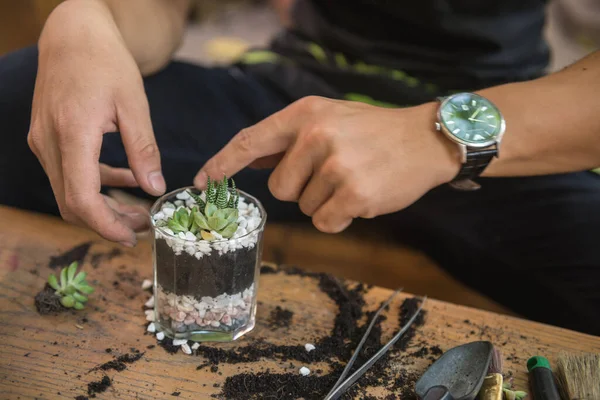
88 84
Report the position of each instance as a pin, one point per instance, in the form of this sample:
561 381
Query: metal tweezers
342 385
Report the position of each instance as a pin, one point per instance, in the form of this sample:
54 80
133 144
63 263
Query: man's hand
88 84
342 160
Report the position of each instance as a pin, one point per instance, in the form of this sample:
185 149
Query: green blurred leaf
80 277
67 301
229 231
69 290
63 278
184 218
232 215
86 289
175 226
79 297
210 209
216 223
53 282
71 271
200 220
78 306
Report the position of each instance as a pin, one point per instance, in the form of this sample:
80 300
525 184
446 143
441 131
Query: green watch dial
471 118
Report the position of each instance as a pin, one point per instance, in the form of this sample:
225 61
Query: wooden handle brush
578 376
492 384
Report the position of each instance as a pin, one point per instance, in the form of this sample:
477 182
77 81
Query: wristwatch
476 126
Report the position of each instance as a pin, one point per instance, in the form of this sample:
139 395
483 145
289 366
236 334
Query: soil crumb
280 318
82 398
167 344
118 364
175 394
267 269
76 253
99 386
97 259
47 302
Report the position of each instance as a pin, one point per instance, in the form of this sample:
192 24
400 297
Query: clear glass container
206 290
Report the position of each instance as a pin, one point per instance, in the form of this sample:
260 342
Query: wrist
76 23
443 154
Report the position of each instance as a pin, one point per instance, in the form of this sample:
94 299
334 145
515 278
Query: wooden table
42 356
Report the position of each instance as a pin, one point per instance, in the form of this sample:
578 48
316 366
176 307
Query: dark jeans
532 244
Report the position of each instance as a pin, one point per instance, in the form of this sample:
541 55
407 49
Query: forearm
150 29
552 123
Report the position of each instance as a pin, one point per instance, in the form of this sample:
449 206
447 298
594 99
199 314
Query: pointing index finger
273 135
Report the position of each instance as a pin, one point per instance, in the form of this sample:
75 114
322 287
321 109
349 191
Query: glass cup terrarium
207 252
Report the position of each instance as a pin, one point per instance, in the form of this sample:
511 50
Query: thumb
140 145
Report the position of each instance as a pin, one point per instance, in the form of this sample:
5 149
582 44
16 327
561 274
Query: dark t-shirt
443 45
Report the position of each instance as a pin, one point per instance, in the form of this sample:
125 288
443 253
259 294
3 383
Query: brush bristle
578 376
496 364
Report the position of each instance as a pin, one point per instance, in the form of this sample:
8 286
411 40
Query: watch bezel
456 139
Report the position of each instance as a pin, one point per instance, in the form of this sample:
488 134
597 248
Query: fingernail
157 182
200 180
128 244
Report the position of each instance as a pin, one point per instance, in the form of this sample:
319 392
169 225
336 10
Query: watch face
471 118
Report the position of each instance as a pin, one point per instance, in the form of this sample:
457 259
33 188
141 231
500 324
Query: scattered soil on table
118 364
82 398
335 350
280 318
97 259
175 394
47 302
76 253
99 386
407 309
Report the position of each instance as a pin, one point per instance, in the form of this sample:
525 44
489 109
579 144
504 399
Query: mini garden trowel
458 374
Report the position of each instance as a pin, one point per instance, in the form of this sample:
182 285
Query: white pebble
215 324
146 284
191 250
169 231
304 371
189 203
190 236
309 347
150 302
199 255
150 315
159 215
160 335
183 195
181 235
195 346
186 348
168 212
151 328
179 342
178 203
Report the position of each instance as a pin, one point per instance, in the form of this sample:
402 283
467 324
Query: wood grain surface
51 357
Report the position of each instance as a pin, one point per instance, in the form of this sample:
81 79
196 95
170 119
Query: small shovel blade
460 370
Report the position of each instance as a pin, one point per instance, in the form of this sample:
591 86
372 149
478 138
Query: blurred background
220 30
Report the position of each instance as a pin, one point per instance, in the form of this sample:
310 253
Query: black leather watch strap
477 161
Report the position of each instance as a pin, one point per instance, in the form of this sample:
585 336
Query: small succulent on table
73 288
219 213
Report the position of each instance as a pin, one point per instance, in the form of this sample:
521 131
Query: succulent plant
218 213
73 288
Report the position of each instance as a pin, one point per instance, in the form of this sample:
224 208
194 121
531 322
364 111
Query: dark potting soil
47 302
82 398
267 269
230 273
280 318
76 253
99 386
